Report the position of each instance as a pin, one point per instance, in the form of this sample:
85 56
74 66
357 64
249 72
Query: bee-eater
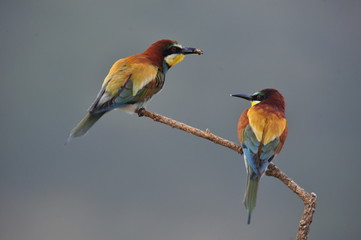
133 80
262 131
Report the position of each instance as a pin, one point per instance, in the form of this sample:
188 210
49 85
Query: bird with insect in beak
133 80
262 131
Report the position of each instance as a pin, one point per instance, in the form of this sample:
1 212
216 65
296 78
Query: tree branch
309 199
195 131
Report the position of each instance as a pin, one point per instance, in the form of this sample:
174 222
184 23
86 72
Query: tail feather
84 125
250 195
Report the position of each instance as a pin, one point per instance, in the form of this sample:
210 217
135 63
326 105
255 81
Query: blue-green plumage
83 126
257 158
250 195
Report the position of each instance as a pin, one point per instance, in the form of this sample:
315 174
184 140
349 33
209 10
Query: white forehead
177 45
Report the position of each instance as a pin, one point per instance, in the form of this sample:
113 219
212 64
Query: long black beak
191 51
245 96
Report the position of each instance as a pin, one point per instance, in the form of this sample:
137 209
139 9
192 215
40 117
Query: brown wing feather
242 123
282 140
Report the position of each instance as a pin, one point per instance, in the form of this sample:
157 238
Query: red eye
174 49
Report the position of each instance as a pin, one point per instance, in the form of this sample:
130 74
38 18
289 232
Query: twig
309 199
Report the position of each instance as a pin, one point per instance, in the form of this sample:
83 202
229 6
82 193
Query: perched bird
262 130
133 80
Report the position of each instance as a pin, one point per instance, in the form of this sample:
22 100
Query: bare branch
309 199
195 131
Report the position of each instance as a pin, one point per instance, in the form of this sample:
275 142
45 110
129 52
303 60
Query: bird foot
140 112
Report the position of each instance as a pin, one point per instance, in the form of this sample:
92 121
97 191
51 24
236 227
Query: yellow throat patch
253 103
173 59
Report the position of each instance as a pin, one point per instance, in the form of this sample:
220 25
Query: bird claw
140 112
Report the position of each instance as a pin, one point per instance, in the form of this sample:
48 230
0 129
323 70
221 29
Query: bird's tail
84 125
250 195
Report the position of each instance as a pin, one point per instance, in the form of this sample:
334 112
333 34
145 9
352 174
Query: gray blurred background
132 178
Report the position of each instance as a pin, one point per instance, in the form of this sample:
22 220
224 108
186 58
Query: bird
133 80
262 130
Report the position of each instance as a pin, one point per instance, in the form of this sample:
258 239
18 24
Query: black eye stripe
172 50
258 97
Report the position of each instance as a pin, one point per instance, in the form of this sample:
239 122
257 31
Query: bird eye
174 49
258 97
